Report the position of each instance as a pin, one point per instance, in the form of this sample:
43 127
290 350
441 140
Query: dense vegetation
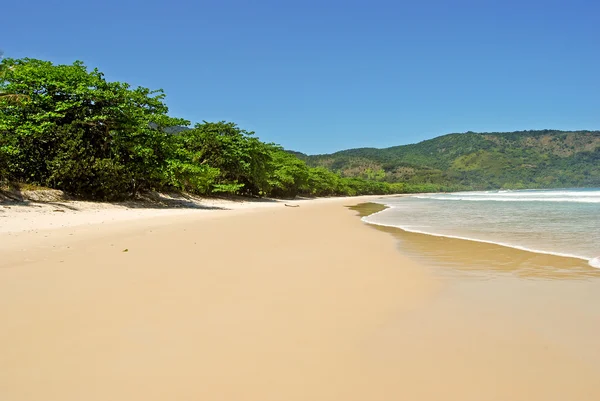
525 159
65 127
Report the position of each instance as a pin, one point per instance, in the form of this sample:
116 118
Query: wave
530 192
510 199
577 196
595 262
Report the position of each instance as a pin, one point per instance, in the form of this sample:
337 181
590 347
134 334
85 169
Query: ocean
562 222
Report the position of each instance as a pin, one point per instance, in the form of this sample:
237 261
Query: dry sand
31 216
262 304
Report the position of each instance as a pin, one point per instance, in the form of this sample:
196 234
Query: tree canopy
73 130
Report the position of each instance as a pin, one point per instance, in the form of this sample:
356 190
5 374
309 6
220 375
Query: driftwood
291 205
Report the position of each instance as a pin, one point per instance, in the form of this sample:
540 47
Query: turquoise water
563 222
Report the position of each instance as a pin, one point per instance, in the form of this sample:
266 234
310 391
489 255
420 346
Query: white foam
578 196
512 199
595 262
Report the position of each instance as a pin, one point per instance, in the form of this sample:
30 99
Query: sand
271 303
31 216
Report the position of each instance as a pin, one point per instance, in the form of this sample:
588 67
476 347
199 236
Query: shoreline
591 261
432 249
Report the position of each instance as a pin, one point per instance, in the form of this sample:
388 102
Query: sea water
564 222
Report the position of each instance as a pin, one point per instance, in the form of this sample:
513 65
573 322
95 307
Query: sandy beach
272 303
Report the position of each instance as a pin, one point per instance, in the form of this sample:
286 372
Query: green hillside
523 159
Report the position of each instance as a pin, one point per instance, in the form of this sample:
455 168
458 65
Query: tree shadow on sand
152 200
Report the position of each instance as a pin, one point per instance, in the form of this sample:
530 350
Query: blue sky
321 76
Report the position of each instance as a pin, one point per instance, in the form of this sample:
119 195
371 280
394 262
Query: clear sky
321 76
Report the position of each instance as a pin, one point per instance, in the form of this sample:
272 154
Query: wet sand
276 303
501 293
484 260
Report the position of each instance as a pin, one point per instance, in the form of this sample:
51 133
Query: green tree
288 174
242 160
323 182
78 132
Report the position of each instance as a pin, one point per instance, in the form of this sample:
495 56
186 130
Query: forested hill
523 159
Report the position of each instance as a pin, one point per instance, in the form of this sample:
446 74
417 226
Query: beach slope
266 304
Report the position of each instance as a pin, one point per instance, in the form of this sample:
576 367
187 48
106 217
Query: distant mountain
512 160
299 155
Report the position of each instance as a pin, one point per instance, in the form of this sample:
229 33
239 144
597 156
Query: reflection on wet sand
482 259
